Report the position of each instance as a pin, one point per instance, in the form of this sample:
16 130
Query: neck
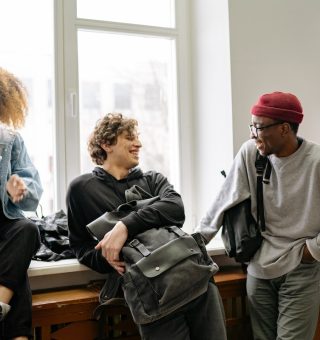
115 171
290 148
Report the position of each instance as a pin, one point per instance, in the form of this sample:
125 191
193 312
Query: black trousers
201 319
19 240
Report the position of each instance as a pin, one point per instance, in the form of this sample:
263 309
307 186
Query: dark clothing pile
54 237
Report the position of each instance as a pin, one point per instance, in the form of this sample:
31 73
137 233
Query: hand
112 244
16 188
307 257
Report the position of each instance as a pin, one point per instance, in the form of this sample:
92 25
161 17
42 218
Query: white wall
274 46
211 97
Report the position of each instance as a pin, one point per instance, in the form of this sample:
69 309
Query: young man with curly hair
115 146
20 189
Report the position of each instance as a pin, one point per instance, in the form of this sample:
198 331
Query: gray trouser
200 319
286 307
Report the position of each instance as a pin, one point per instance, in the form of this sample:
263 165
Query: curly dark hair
13 100
107 131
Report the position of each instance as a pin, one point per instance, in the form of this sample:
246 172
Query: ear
106 147
285 129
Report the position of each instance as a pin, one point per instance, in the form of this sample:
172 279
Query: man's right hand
111 245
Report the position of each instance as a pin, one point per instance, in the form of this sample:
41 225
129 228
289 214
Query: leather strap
261 163
176 230
140 247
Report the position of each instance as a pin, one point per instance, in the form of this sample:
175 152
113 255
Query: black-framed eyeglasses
254 130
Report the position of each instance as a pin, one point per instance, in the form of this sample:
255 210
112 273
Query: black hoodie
91 195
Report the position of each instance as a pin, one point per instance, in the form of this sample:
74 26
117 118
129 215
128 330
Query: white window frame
67 272
67 93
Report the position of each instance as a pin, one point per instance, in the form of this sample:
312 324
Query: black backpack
241 233
165 267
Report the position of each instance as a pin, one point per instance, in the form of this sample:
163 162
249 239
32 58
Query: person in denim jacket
20 190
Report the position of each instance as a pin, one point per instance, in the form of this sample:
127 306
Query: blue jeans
201 319
19 240
285 307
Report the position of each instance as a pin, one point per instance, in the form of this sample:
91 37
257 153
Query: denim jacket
14 159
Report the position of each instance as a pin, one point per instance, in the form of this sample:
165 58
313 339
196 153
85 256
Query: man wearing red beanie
284 274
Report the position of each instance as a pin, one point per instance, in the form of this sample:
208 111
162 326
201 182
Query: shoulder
80 183
248 147
311 146
154 177
247 152
7 135
153 174
311 149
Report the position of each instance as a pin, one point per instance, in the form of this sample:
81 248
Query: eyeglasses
254 130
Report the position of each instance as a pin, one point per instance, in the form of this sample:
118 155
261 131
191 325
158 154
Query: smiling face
124 154
273 138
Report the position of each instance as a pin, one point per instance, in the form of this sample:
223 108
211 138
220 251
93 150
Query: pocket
308 262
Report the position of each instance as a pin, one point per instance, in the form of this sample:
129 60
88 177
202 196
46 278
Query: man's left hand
112 244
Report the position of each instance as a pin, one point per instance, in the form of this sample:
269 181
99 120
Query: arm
168 210
234 190
81 242
24 184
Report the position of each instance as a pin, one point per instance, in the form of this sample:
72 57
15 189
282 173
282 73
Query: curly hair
107 131
13 100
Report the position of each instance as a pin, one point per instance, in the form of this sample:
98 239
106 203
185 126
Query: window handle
73 104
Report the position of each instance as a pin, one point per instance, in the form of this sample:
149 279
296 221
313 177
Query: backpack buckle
140 247
134 243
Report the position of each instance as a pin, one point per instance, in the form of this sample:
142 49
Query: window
90 95
122 96
27 51
152 96
113 57
80 60
143 12
139 64
123 77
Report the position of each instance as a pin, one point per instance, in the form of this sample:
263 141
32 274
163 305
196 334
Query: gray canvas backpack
165 267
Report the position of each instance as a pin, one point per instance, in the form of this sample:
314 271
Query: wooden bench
231 283
67 314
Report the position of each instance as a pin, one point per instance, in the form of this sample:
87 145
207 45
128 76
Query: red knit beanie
279 106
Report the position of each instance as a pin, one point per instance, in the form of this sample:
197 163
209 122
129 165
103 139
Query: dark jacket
91 195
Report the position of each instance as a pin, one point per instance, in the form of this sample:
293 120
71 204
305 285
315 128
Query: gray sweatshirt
291 207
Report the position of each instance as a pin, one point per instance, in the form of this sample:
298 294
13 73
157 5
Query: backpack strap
102 315
140 247
261 163
176 230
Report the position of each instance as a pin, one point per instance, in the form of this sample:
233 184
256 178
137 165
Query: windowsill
215 247
63 273
70 272
40 268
